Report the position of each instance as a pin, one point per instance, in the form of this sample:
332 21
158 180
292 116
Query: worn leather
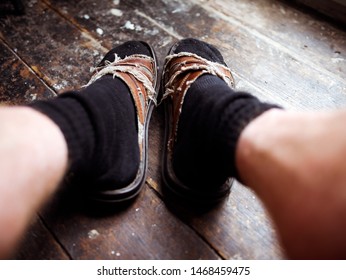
138 89
139 73
180 71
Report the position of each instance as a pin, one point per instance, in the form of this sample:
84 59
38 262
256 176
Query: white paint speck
153 32
99 31
129 25
33 96
117 254
133 234
116 2
137 209
86 16
61 85
116 12
112 252
93 234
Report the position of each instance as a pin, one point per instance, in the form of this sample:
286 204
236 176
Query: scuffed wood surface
275 51
19 84
40 244
143 230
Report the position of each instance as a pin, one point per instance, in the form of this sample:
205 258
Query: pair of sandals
187 60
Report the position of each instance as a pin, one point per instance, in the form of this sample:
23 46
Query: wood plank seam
162 27
88 35
55 237
85 33
270 41
43 78
153 186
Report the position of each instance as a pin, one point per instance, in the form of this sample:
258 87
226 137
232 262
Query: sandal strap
180 71
139 74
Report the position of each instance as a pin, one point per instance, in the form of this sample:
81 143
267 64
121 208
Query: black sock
99 125
212 118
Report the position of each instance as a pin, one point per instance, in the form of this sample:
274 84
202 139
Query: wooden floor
282 53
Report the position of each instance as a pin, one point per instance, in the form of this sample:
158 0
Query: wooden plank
60 54
19 85
310 40
276 73
310 43
144 230
39 244
113 23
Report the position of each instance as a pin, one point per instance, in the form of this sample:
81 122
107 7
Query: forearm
33 161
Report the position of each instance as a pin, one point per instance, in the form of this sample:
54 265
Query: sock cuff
74 121
240 111
99 126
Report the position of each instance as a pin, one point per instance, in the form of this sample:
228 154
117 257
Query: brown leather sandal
140 73
179 72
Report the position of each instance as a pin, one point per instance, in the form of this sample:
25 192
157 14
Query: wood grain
39 244
19 84
143 230
275 73
59 53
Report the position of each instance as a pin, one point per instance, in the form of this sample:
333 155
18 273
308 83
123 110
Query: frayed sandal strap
180 71
139 73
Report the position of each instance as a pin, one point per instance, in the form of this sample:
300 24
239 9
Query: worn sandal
179 72
140 73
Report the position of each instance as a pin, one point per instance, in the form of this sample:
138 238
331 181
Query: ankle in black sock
212 119
99 125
